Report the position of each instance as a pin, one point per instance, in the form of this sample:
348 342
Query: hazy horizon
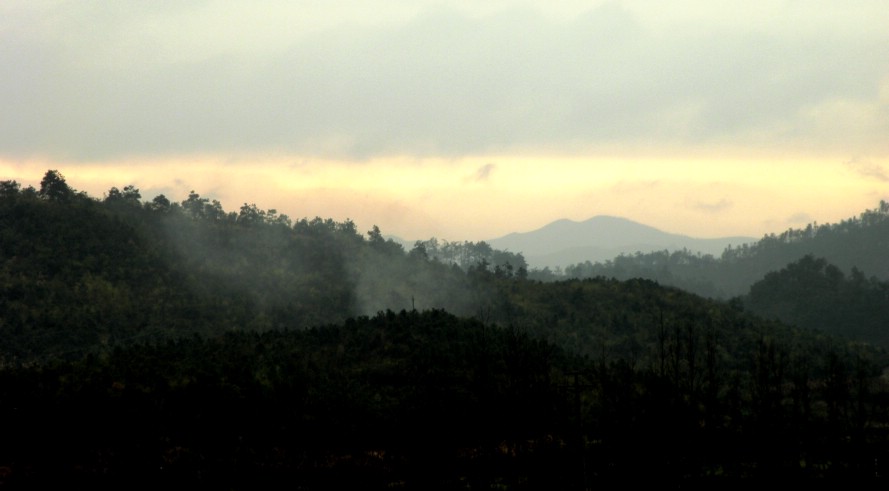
460 120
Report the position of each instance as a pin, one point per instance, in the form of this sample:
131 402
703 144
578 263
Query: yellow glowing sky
460 119
484 198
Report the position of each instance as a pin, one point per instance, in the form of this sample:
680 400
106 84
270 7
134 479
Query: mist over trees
181 342
81 270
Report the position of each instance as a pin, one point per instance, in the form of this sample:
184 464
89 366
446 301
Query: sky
462 120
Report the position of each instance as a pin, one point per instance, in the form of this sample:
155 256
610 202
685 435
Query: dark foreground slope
427 400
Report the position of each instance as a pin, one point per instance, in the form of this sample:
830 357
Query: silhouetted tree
53 187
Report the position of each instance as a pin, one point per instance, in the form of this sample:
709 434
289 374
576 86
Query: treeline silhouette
80 273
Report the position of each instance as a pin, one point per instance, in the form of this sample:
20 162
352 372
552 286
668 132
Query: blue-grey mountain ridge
601 238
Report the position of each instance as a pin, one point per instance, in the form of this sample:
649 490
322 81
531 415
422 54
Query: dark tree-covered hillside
169 342
811 292
859 242
427 400
79 273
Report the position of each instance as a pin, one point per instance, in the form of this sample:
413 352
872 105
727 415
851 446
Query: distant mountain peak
600 238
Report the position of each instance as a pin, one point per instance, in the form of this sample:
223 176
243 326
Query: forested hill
179 342
814 293
859 242
78 271
80 274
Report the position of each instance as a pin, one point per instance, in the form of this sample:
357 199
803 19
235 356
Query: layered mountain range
602 238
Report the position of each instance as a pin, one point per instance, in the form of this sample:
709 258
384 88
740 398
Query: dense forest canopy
178 340
812 292
95 270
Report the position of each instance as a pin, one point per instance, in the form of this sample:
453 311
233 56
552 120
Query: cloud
484 172
799 218
99 82
867 169
714 207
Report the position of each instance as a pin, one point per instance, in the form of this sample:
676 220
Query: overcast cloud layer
111 80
